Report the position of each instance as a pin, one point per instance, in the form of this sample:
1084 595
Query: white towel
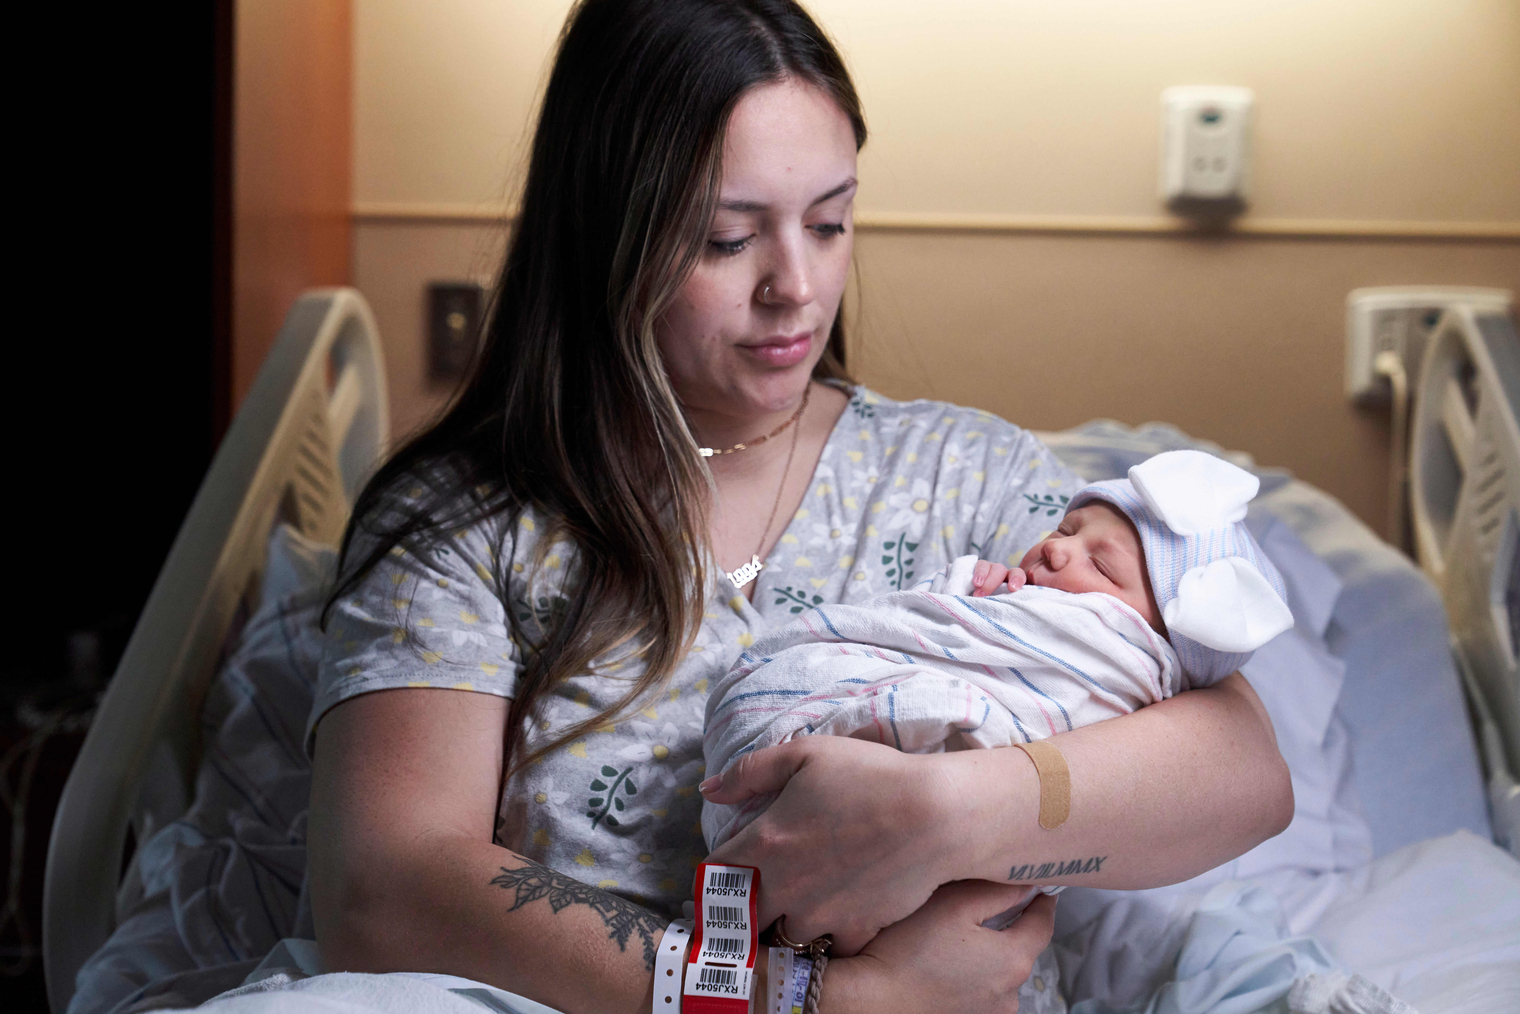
924 670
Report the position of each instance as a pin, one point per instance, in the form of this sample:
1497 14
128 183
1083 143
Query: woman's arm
862 835
404 876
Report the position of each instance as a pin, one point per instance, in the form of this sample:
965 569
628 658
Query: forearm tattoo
622 917
1031 872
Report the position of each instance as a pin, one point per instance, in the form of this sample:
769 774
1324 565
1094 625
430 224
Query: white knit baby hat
1219 595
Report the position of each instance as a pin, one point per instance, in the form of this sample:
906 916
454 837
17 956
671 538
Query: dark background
121 386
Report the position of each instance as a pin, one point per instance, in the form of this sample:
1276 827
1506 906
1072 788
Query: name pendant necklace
751 570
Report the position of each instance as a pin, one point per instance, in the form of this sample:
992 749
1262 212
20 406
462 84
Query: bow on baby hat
1227 604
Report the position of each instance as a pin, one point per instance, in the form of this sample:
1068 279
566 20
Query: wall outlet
1399 319
1205 145
454 322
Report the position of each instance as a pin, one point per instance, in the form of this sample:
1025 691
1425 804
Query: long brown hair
567 410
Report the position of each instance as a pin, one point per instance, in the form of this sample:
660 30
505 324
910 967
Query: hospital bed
1383 745
299 451
1465 499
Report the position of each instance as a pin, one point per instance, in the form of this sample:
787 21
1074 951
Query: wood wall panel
292 165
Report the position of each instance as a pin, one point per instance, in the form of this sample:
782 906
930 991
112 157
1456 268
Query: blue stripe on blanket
761 693
1040 651
1043 694
830 624
1016 724
986 710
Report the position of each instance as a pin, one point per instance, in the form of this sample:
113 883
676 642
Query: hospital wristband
1055 782
790 972
669 961
720 971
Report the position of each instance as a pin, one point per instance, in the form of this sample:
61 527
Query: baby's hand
987 577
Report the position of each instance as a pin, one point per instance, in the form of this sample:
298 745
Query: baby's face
1096 549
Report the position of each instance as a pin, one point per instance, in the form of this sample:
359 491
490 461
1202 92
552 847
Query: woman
541 586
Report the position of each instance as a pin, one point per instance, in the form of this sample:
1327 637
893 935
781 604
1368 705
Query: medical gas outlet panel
1206 146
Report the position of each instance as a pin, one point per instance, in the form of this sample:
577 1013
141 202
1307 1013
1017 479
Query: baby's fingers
986 577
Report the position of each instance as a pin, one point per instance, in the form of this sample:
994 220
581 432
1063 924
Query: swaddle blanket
933 669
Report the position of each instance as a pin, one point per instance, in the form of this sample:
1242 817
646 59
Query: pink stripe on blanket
814 630
881 731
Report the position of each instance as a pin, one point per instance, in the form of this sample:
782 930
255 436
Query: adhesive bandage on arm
1055 782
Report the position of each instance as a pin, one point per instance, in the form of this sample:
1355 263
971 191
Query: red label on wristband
720 972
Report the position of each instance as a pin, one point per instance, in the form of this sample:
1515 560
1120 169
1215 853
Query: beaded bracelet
817 951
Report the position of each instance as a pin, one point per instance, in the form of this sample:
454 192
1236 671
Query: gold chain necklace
711 452
751 570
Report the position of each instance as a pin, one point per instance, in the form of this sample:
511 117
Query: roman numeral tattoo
1032 872
622 917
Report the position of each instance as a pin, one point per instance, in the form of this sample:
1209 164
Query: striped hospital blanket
924 670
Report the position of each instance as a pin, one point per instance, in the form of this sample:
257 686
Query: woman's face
743 334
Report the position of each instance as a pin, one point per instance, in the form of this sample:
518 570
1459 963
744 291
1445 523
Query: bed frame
316 422
309 432
1465 500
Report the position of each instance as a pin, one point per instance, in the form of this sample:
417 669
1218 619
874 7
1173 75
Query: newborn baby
1151 585
1094 549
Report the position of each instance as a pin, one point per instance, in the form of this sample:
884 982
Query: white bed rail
1465 496
302 445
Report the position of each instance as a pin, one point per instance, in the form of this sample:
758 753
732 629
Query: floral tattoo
622 917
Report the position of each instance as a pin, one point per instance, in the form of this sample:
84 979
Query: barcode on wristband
728 883
725 947
720 975
726 916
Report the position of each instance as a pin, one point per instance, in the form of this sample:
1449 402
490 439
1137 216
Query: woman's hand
942 958
853 843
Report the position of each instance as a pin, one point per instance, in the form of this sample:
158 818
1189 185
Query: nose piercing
765 295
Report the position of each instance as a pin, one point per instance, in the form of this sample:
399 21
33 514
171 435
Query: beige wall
391 267
1240 342
1369 111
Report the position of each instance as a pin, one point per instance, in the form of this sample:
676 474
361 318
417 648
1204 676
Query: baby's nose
1056 553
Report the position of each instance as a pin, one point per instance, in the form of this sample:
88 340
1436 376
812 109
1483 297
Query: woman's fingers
942 958
1036 925
981 900
755 774
1002 920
